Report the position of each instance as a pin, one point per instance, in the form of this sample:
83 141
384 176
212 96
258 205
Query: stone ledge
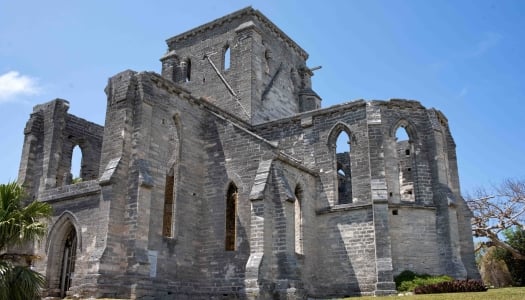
343 207
70 191
411 205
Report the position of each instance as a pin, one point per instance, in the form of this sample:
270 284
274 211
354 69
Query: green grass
492 294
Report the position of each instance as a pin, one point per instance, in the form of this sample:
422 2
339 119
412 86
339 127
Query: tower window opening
226 58
187 74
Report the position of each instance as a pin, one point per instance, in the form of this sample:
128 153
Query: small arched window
226 58
231 213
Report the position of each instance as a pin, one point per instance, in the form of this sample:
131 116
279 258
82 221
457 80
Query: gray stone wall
414 240
346 257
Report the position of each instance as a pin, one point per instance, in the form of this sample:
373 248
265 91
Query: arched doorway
62 244
68 261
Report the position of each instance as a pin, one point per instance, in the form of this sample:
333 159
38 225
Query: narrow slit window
227 59
298 213
231 208
188 71
167 228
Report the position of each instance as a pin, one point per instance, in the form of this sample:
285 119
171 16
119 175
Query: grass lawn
492 294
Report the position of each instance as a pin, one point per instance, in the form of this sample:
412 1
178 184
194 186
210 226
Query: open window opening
76 166
298 214
231 213
187 70
405 160
226 58
343 166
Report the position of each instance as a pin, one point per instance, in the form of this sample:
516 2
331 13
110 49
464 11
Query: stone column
54 114
385 284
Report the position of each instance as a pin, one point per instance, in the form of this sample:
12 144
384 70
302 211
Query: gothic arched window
405 164
341 146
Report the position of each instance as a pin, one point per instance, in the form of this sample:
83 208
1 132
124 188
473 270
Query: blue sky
465 58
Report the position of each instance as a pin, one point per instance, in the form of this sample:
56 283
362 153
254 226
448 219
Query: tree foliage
515 238
19 224
497 210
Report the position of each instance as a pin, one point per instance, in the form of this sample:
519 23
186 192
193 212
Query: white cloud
13 84
490 40
463 92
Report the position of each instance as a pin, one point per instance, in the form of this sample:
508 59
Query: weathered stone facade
221 179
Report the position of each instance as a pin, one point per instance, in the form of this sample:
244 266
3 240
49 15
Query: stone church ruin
223 178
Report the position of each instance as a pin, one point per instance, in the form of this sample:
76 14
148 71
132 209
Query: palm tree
19 225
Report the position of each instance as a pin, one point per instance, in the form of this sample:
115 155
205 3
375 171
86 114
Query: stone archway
62 245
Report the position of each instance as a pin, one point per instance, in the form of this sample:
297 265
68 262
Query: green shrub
406 275
454 286
408 281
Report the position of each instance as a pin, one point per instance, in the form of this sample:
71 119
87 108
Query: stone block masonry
220 178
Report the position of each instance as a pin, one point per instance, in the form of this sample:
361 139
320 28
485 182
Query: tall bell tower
245 65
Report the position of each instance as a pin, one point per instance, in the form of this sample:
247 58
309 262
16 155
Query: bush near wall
455 286
408 281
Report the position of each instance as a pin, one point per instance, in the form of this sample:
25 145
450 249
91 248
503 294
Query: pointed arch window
231 213
405 164
76 166
342 165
